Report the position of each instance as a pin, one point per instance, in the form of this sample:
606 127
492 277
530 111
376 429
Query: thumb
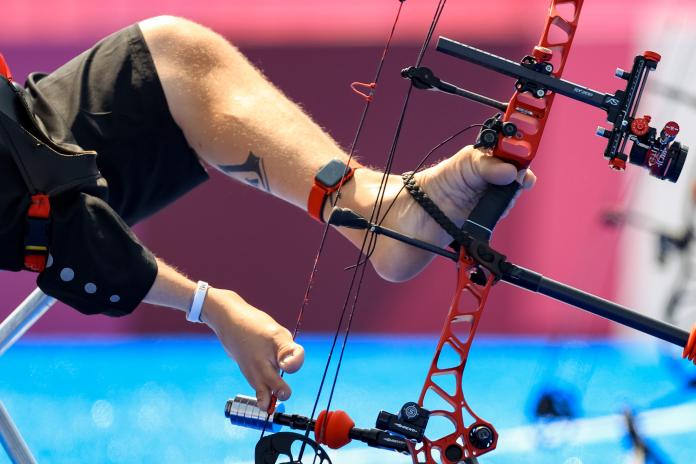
263 398
493 170
291 357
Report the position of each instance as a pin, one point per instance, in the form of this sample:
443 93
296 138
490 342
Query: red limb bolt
542 54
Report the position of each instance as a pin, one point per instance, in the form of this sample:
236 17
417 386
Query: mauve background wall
238 238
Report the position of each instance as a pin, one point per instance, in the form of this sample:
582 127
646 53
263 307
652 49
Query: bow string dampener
514 135
660 154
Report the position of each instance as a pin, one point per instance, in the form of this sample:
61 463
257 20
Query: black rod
415 242
423 78
535 282
478 98
516 70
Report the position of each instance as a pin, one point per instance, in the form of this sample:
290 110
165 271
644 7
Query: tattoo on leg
253 171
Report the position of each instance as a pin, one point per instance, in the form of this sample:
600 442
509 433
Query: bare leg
232 115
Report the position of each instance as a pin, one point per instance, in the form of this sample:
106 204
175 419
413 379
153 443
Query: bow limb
529 114
472 436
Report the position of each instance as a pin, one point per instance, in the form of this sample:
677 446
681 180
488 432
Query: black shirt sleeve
97 265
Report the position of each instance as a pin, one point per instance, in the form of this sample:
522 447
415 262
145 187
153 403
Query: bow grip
490 209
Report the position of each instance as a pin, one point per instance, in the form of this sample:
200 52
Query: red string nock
356 86
272 405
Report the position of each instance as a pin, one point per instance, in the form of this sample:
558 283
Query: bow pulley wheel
289 448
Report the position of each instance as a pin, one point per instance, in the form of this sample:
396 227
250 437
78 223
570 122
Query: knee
180 42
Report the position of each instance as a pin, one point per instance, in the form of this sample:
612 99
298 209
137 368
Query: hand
259 345
455 185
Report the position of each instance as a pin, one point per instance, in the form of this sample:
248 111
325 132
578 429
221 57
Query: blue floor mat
162 400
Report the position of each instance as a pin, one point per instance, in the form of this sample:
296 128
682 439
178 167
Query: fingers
482 169
493 170
526 178
291 357
263 398
276 384
267 380
269 384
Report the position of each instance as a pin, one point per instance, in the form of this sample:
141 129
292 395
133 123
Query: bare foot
455 185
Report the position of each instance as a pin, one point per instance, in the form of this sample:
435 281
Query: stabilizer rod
512 69
537 283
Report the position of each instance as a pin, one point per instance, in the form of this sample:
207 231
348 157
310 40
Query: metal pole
12 441
23 317
535 282
11 329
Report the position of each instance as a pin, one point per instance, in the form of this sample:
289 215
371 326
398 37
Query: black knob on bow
481 436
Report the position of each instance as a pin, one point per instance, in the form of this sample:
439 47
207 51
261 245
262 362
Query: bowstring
324 235
363 267
370 238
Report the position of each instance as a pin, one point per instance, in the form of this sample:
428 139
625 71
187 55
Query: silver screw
620 73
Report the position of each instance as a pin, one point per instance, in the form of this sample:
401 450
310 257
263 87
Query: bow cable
315 267
369 238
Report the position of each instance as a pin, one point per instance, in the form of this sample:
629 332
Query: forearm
171 288
174 290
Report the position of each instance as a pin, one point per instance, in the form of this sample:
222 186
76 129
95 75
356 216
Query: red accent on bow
367 96
4 68
529 114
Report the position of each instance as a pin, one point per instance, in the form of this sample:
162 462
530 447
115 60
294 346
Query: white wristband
194 313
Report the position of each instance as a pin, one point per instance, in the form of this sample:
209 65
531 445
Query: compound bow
513 135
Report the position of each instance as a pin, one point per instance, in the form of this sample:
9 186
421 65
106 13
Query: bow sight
659 153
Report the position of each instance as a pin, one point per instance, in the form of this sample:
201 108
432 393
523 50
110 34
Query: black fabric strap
433 210
476 248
